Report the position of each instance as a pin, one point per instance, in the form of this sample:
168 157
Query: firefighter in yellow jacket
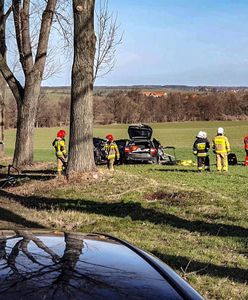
221 148
60 151
112 152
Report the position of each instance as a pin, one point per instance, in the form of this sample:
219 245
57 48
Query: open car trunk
140 147
140 131
141 150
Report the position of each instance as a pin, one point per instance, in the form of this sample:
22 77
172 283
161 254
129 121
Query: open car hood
140 131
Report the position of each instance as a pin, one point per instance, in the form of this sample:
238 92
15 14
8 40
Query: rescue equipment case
232 159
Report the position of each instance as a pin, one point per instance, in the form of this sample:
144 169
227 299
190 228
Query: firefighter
60 151
112 151
200 149
246 149
221 148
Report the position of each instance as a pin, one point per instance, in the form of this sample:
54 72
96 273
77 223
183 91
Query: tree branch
108 39
10 78
26 41
17 24
46 22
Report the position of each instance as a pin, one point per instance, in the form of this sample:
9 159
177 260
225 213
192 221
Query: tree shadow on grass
202 268
38 177
133 210
8 216
41 172
178 170
17 179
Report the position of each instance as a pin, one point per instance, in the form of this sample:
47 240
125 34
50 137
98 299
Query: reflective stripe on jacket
60 147
221 144
112 150
201 147
246 142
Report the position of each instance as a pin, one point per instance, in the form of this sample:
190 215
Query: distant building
155 94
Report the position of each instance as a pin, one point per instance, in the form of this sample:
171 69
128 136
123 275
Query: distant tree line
122 106
50 112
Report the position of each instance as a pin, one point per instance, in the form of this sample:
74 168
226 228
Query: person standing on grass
221 148
60 151
246 149
200 149
112 152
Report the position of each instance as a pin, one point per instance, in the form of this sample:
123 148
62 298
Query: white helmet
220 130
204 134
200 134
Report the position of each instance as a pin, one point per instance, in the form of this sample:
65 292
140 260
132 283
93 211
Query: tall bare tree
33 68
81 158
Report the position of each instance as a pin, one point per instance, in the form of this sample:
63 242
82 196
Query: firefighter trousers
110 164
61 164
221 162
203 163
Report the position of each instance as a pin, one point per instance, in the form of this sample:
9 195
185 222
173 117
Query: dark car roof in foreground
83 266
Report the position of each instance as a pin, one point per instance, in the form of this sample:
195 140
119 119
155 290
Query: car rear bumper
140 158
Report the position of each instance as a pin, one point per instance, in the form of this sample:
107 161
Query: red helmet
61 134
110 137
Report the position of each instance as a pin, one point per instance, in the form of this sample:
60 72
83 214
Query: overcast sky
192 42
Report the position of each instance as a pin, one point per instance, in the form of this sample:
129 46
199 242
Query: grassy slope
195 222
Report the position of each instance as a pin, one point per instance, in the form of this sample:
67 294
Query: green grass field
196 222
181 135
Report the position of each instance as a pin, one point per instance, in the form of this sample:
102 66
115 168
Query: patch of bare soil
173 198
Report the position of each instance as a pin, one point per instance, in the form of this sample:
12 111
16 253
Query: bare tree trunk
81 158
26 116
